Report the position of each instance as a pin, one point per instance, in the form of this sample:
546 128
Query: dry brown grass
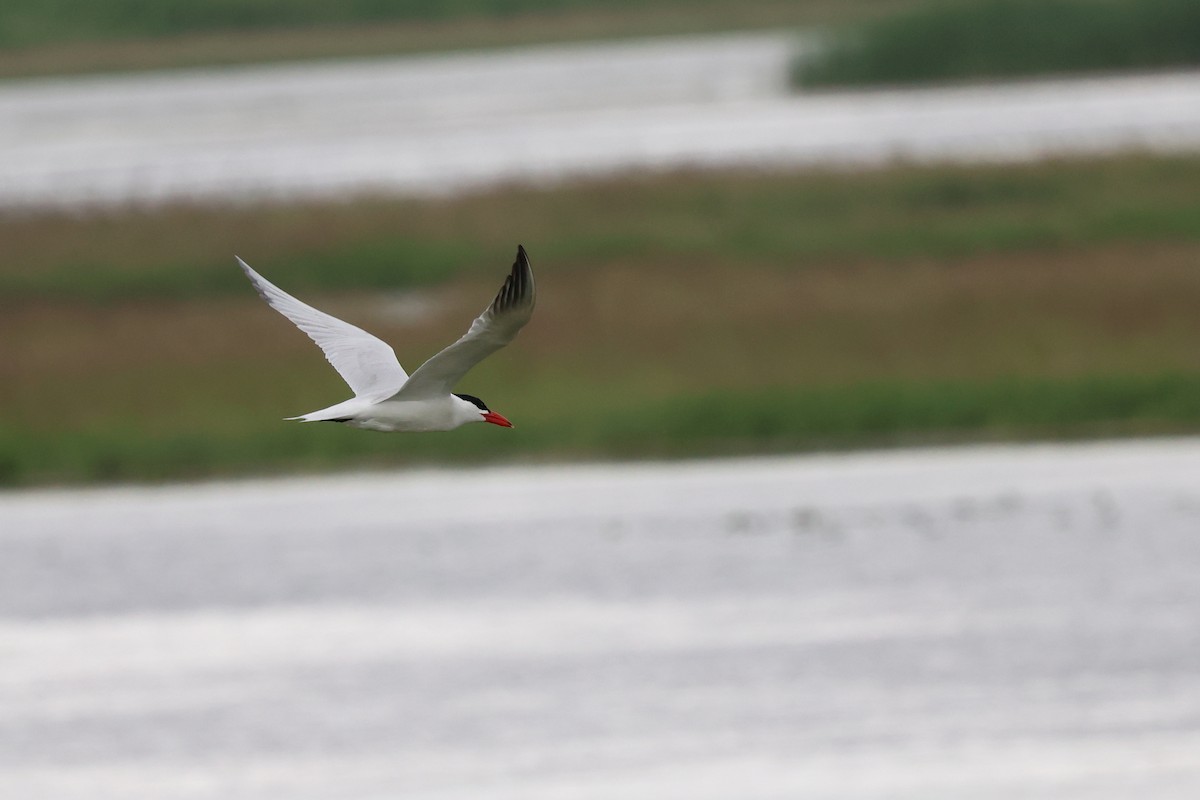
642 329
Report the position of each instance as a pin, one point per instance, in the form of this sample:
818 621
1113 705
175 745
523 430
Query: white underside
391 416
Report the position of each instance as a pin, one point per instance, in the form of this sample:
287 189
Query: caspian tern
385 397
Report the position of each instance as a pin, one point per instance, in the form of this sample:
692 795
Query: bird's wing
491 330
367 364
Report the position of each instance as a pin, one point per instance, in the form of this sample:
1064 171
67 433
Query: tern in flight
386 398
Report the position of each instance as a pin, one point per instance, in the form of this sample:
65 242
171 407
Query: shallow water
983 622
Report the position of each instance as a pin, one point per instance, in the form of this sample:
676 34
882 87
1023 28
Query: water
446 123
984 622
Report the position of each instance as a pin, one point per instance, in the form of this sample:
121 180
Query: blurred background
924 277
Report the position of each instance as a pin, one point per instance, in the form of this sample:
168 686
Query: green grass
909 305
776 420
896 412
993 39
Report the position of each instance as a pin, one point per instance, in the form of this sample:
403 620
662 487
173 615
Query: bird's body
386 397
392 416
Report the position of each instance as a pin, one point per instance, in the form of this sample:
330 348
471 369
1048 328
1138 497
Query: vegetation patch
786 220
39 37
787 419
679 315
994 39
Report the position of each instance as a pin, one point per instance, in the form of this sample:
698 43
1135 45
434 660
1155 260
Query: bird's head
485 413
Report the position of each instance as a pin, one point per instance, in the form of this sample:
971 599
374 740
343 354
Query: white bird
385 397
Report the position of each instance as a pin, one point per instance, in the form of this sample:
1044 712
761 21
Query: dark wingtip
521 269
517 283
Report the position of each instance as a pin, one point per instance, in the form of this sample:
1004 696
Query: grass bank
728 422
60 37
996 39
683 314
783 221
29 22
